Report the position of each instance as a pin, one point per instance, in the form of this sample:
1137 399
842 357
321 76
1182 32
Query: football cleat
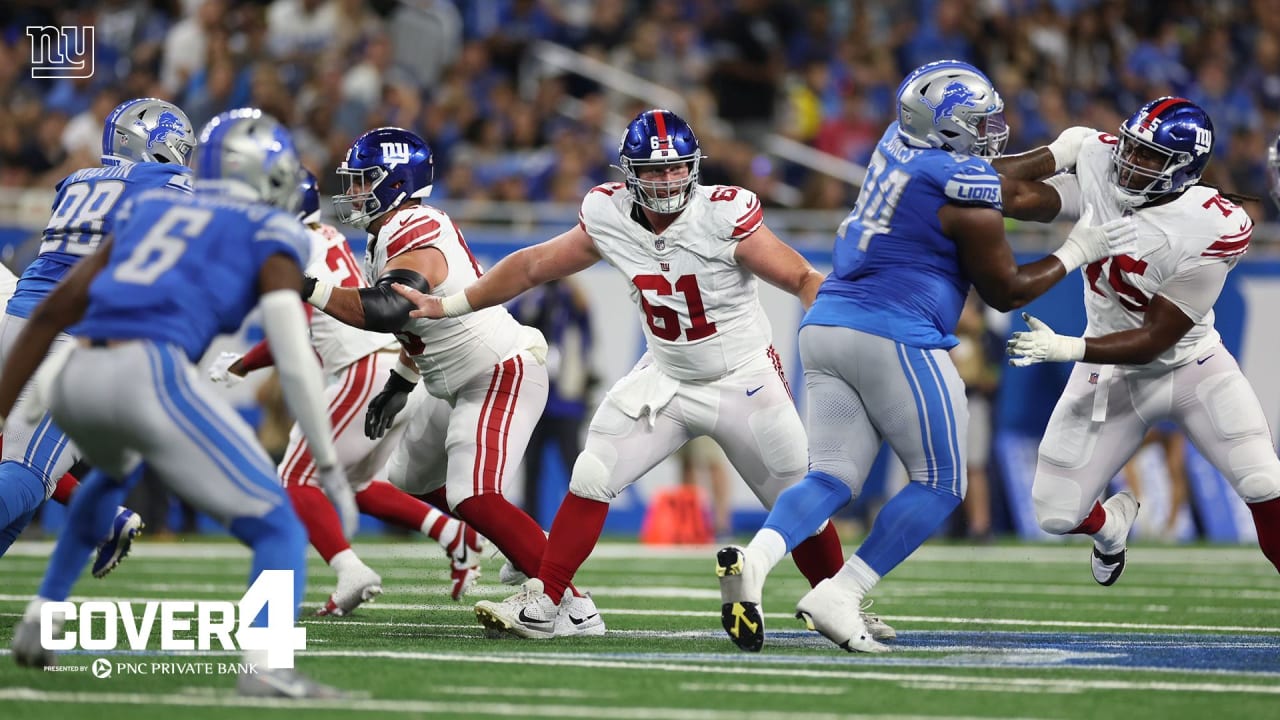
509 575
1107 562
879 629
837 615
579 617
28 651
530 613
740 612
126 527
465 553
354 587
284 683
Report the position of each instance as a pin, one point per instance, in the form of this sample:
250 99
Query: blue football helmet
247 151
1273 170
309 211
147 130
951 105
657 138
383 168
1163 149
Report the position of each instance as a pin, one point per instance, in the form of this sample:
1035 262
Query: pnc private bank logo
65 52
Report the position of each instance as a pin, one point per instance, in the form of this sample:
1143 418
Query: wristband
407 372
456 304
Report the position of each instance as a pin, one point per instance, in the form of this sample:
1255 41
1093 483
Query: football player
489 370
692 254
177 270
875 344
1150 351
146 143
353 360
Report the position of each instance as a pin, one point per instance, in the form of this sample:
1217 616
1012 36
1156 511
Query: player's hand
1088 242
225 370
333 481
384 406
1066 148
1042 344
428 306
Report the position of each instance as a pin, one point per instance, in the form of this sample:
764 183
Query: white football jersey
8 284
702 313
1177 240
448 351
337 343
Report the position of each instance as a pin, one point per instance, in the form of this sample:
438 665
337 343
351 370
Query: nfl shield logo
1093 378
659 244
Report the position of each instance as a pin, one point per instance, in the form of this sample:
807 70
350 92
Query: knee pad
780 435
1057 503
1255 471
590 478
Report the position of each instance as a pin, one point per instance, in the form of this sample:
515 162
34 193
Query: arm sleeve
257 357
1194 289
1068 187
300 375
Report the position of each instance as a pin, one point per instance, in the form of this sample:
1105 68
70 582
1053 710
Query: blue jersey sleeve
281 234
971 182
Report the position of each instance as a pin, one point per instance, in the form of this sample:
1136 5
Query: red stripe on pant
490 440
344 407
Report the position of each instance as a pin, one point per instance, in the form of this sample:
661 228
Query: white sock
345 561
1109 539
766 550
448 533
32 613
856 576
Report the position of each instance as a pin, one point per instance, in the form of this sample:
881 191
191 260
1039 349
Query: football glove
220 370
384 406
1088 242
1042 344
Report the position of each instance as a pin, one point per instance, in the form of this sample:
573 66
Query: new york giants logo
65 52
395 153
955 95
1204 140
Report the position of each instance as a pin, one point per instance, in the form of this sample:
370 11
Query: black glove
308 286
384 406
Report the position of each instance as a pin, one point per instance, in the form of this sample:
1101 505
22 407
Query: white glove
334 483
1067 147
220 372
1088 242
1042 344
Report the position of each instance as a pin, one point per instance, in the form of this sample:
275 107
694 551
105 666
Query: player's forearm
808 290
29 349
1127 347
301 379
1027 283
342 304
512 275
1036 164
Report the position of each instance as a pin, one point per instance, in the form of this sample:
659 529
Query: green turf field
1005 631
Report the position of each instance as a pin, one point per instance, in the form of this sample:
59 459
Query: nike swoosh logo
753 392
1203 360
522 617
577 621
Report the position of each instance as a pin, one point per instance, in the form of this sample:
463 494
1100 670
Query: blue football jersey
184 269
84 213
896 275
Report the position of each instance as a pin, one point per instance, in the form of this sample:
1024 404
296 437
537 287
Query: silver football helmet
951 105
248 149
147 130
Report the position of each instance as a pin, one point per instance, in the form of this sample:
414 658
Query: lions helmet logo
168 123
954 95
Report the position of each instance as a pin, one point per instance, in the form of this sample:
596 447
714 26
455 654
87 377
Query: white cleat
28 651
354 587
740 591
1107 563
284 683
838 616
579 617
465 553
530 613
509 575
879 629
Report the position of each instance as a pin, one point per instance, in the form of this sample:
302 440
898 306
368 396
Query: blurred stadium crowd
460 72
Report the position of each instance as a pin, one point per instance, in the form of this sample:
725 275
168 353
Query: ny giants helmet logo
954 95
395 153
168 123
1204 140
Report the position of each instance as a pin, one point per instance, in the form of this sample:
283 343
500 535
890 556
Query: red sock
820 556
1266 518
1092 523
67 484
324 528
574 533
388 502
507 527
